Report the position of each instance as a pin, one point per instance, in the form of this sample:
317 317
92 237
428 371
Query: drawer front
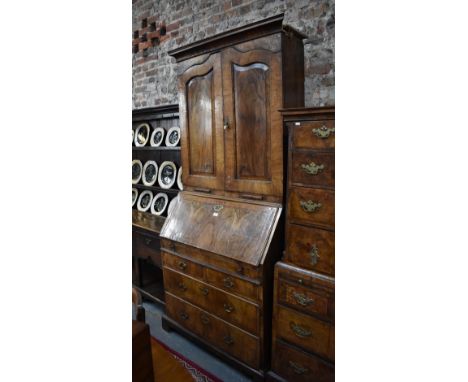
314 135
306 332
146 246
182 265
295 365
311 248
232 284
312 206
230 308
313 168
228 338
305 299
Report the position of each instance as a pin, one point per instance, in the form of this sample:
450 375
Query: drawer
222 335
220 262
314 135
315 301
146 246
232 284
306 332
310 248
313 168
182 265
312 206
295 365
226 306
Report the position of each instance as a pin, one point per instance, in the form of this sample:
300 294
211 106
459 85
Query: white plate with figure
134 196
142 135
144 201
179 179
159 204
173 136
150 173
137 170
157 137
167 174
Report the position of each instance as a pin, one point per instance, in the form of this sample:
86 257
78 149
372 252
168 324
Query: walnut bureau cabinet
147 274
304 287
220 243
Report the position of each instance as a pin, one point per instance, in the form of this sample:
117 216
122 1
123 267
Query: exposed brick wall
154 78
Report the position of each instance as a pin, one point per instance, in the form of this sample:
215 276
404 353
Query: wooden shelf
158 189
147 221
153 292
150 148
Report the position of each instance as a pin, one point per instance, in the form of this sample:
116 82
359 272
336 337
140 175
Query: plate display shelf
146 256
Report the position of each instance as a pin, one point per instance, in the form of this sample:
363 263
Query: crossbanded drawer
315 301
310 248
299 366
230 339
146 246
226 306
182 265
220 262
312 206
314 134
232 284
313 168
306 332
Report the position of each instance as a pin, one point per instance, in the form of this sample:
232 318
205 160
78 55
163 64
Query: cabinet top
248 32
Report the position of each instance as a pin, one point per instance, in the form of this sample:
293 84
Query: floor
189 350
166 367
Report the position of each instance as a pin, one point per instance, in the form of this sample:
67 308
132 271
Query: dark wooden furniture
147 274
218 254
304 302
230 89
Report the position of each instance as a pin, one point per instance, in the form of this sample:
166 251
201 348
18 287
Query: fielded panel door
252 124
201 124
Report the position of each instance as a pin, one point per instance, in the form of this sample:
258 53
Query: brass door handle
314 256
298 368
182 265
302 299
228 308
299 330
148 240
182 286
204 290
228 283
323 132
310 205
204 319
312 168
228 340
184 316
226 124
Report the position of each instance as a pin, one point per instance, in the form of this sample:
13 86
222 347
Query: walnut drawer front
182 265
313 168
312 206
146 246
306 300
226 306
306 332
314 135
232 284
311 248
296 365
230 339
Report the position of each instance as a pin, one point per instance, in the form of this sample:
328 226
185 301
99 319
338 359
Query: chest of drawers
217 256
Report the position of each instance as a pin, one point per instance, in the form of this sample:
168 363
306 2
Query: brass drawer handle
228 308
298 368
310 205
228 340
228 283
182 286
148 240
217 208
314 256
184 316
302 299
182 265
324 132
204 290
204 319
299 330
312 168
